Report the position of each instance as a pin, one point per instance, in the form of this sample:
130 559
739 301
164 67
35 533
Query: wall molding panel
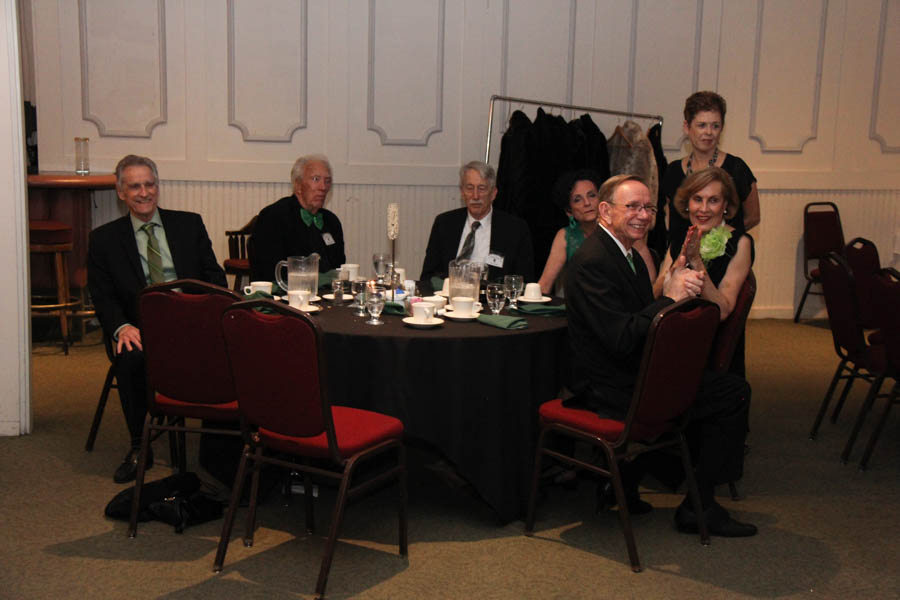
120 106
886 75
783 82
277 120
374 66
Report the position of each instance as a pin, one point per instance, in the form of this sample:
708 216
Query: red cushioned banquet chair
886 300
279 371
727 337
822 233
862 257
666 387
858 359
188 373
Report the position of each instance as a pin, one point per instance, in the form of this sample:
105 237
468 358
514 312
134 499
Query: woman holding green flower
707 198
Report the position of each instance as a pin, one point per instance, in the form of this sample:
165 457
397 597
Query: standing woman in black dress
704 119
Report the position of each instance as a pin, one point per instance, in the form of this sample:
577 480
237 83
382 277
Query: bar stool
54 237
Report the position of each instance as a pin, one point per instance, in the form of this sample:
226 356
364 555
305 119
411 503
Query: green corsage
712 245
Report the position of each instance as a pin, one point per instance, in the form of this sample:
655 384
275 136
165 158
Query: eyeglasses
634 207
471 189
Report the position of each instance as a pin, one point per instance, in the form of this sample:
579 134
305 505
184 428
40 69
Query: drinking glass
358 288
375 304
496 297
382 264
514 285
337 291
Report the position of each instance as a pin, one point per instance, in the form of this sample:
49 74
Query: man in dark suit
479 232
148 245
298 225
610 305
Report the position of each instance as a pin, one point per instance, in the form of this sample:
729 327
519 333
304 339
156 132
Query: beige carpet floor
826 530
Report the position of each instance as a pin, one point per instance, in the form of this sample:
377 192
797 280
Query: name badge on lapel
495 259
326 237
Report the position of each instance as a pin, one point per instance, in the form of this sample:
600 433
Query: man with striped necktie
148 245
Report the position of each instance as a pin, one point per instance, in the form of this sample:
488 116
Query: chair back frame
862 257
839 288
822 233
732 327
239 240
277 313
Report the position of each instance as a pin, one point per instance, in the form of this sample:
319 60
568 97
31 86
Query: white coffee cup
423 311
258 286
438 301
463 305
298 299
351 270
532 291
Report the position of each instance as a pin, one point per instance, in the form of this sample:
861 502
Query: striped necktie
154 258
469 244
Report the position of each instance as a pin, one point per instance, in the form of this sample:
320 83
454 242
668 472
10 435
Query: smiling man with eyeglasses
610 305
299 225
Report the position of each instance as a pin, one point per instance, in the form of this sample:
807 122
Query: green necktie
631 263
315 219
154 258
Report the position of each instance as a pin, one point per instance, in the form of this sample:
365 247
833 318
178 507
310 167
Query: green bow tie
309 218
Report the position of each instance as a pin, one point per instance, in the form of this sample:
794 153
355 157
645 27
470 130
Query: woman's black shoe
606 499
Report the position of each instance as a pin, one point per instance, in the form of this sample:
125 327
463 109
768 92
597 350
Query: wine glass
496 297
358 288
382 264
375 304
514 286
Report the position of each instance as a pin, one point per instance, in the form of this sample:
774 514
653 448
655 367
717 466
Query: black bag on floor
180 485
181 512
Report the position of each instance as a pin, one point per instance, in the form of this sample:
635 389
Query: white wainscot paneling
405 105
885 126
665 62
874 215
787 75
123 68
538 38
267 41
362 210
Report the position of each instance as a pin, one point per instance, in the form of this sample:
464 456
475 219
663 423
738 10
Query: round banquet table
469 389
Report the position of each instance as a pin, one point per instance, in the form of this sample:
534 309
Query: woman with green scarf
576 193
707 199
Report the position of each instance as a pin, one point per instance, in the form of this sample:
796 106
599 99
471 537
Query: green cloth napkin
541 310
327 277
503 321
437 283
394 308
259 296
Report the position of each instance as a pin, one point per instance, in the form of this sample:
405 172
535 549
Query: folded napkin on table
503 321
260 296
394 308
541 310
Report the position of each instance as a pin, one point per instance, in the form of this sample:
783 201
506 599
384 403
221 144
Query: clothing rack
605 111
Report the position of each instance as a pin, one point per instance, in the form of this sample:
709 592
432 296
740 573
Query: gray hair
133 160
485 170
300 165
608 190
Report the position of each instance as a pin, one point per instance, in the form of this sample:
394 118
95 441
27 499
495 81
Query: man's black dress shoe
127 471
718 521
606 499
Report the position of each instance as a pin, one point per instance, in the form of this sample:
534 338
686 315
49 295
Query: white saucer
442 293
475 310
315 299
331 296
414 322
453 316
543 299
311 308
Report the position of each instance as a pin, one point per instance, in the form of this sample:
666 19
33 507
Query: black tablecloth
469 389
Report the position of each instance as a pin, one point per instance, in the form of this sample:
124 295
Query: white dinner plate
453 316
543 299
414 322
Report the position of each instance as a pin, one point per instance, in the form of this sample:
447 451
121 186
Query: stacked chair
279 370
822 234
859 359
666 387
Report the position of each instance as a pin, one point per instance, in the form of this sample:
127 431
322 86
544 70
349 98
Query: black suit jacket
280 232
509 236
115 276
609 310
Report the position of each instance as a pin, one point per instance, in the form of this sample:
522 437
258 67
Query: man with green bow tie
299 225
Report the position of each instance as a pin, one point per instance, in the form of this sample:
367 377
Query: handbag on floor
181 485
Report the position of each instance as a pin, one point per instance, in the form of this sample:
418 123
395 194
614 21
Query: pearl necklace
712 161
